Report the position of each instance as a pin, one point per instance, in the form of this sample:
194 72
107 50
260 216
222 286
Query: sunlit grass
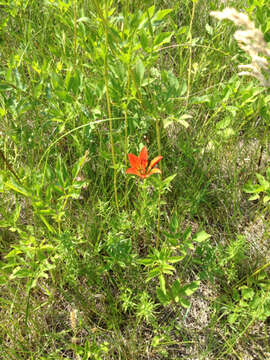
99 264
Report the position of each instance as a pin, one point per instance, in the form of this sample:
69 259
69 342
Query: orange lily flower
139 164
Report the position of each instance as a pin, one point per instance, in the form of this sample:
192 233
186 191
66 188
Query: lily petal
143 157
134 161
154 171
133 171
155 161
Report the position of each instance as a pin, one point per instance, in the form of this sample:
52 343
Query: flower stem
159 190
106 77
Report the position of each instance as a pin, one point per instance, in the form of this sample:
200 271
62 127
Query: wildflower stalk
126 133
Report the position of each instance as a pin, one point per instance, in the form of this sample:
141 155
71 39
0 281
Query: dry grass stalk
73 323
251 40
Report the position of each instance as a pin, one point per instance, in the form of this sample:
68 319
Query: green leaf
175 259
209 29
254 197
223 124
84 19
182 120
78 165
163 298
266 199
162 283
184 302
64 96
74 82
162 38
139 71
174 224
263 181
168 269
153 273
189 289
146 261
166 182
201 99
250 188
268 173
144 40
20 273
201 236
161 14
17 188
232 318
247 293
187 234
176 290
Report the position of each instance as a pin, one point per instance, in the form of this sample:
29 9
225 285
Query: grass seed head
251 40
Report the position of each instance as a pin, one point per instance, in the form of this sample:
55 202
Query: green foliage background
82 84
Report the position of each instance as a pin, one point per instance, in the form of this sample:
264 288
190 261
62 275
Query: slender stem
106 76
126 134
75 31
157 134
159 190
190 51
8 165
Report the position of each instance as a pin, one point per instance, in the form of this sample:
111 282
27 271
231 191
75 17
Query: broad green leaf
232 318
187 233
209 29
176 290
189 289
169 179
153 273
83 19
78 165
163 298
139 71
184 302
201 236
247 293
223 124
167 269
162 283
175 259
20 273
250 188
263 181
17 188
201 99
159 15
146 261
162 38
254 197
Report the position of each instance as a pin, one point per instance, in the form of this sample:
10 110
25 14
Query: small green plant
261 188
251 301
50 192
176 247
